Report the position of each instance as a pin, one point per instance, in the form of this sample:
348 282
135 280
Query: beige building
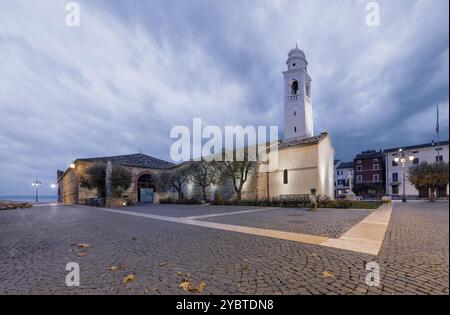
301 164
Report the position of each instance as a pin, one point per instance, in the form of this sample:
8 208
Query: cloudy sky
132 70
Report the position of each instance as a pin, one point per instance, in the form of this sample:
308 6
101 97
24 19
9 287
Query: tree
175 178
429 176
238 172
204 174
121 179
95 178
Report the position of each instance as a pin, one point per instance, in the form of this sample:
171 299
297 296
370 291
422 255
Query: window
359 179
295 129
376 167
341 182
294 64
295 113
359 168
394 163
376 178
285 177
308 90
375 160
294 87
440 158
395 177
359 162
416 161
395 189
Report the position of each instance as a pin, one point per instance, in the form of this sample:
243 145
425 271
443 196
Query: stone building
305 162
142 189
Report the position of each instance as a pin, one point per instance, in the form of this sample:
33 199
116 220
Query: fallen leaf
113 268
129 278
162 264
83 245
179 273
82 254
188 274
328 274
201 286
186 286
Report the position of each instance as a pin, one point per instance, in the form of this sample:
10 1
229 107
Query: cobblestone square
36 244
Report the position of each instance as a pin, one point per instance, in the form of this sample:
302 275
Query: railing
293 98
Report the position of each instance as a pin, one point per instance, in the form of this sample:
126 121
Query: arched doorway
145 189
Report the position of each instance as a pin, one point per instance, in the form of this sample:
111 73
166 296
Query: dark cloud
134 69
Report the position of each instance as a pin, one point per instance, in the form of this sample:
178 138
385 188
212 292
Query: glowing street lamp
404 157
36 183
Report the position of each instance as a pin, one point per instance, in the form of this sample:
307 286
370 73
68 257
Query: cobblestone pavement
36 244
326 222
179 211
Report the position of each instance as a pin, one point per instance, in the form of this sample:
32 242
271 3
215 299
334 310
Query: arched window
294 87
285 177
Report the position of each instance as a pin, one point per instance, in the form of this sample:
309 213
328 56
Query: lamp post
404 156
36 183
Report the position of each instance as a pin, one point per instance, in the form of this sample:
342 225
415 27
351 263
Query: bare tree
174 178
204 174
238 172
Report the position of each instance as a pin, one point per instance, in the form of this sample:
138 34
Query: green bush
302 202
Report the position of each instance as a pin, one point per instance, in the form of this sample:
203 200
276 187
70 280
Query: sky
132 70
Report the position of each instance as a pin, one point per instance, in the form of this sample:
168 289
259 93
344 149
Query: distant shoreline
29 198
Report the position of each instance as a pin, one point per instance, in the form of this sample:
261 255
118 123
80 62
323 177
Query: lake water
30 198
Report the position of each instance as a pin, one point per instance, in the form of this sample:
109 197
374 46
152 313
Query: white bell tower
298 115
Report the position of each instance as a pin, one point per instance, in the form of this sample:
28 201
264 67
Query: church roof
136 160
303 141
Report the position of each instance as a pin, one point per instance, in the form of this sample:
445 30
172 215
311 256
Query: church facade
305 162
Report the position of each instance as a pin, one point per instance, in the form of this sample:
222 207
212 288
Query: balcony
293 98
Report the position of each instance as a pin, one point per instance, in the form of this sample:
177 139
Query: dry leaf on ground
186 286
83 245
162 264
82 254
201 286
129 278
115 268
328 274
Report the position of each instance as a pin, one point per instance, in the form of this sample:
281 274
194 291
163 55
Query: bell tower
298 115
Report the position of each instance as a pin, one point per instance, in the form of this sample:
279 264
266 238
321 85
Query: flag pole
437 133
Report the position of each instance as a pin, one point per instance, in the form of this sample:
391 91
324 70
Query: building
343 172
142 167
369 170
428 152
304 161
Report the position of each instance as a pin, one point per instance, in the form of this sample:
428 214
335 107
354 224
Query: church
305 160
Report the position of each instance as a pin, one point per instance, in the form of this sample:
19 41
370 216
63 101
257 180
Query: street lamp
404 156
36 183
